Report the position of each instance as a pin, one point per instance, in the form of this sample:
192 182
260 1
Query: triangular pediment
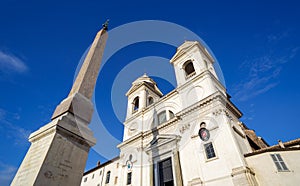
185 47
144 81
188 45
162 143
162 139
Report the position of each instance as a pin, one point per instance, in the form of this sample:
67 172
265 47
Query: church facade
192 135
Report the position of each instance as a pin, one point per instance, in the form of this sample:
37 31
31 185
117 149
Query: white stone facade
161 145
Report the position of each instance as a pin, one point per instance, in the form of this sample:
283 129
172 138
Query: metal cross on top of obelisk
59 149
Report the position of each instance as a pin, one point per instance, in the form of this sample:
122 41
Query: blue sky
256 43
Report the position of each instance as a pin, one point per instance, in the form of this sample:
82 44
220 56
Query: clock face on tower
204 134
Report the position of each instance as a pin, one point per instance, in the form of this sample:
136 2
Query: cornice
148 133
136 87
199 104
217 96
204 73
175 92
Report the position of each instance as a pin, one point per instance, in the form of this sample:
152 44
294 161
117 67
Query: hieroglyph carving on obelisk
59 150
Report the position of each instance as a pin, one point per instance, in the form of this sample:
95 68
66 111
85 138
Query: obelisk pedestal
59 150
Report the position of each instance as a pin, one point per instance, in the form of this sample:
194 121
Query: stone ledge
76 104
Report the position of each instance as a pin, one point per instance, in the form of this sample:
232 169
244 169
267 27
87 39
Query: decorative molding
195 181
220 111
238 131
139 149
198 105
241 170
184 128
166 125
216 97
163 140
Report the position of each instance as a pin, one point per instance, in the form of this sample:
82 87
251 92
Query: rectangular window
165 173
85 179
209 150
107 177
116 180
129 174
279 162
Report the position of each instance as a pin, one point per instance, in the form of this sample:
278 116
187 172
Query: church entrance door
165 173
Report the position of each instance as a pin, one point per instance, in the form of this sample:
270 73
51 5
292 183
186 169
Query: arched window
135 104
171 114
162 117
189 69
165 116
107 177
150 100
203 125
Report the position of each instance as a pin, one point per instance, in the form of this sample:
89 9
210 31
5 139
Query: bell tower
195 74
142 94
191 59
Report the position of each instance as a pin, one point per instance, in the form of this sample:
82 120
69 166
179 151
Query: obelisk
59 150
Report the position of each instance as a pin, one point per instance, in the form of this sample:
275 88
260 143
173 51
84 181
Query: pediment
187 45
144 81
161 140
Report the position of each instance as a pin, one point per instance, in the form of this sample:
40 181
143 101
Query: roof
287 146
255 141
101 165
186 46
147 81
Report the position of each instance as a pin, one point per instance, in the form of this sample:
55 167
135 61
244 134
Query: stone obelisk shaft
86 79
58 151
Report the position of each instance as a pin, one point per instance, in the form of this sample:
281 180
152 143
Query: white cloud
278 36
262 75
11 63
7 173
